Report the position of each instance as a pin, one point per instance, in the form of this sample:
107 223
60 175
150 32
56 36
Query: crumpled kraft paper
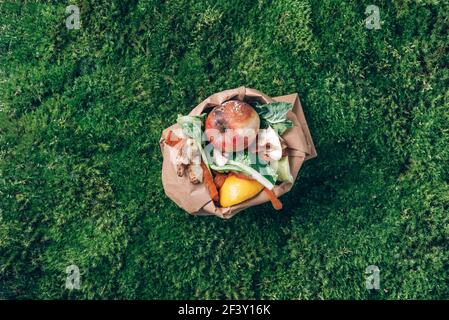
194 198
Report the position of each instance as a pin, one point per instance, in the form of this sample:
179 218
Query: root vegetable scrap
209 181
277 204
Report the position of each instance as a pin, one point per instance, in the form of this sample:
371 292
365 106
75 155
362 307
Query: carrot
220 179
209 181
171 142
274 200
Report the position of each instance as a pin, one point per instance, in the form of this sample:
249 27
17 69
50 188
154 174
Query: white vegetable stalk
269 143
253 173
220 160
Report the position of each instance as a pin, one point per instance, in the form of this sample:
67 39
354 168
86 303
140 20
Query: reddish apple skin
233 126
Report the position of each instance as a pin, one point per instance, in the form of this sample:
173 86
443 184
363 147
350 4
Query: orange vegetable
170 141
209 182
220 179
274 200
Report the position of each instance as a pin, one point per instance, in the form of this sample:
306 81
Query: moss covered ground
82 110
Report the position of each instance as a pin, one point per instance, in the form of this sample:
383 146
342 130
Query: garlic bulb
269 144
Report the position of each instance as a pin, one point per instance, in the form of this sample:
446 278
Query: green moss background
81 113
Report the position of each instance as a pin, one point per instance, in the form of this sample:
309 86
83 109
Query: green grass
81 113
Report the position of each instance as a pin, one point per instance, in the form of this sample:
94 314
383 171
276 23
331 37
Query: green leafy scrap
275 115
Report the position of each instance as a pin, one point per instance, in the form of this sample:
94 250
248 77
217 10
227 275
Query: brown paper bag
194 198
